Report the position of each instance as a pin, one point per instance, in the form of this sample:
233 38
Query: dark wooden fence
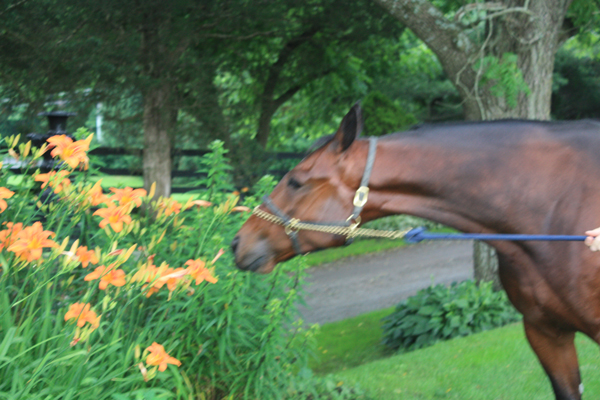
137 152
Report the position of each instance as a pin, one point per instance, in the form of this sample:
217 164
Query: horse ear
350 128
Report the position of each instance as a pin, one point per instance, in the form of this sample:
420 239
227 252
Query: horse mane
426 126
445 124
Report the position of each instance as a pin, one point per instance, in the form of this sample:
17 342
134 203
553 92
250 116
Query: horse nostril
234 244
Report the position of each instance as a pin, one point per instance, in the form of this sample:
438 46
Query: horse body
488 177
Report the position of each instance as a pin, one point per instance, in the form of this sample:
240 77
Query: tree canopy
182 73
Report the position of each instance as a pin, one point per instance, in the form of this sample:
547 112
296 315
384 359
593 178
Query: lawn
349 343
494 365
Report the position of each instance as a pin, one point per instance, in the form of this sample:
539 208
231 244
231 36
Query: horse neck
459 185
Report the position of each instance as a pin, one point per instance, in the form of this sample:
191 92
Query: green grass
119 181
351 342
363 246
496 364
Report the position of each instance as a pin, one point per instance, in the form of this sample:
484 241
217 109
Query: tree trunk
485 264
267 110
534 34
158 118
269 101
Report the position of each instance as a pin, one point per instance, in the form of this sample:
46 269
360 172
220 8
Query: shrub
118 296
440 313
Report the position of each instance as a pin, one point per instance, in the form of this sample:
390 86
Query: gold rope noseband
349 232
348 228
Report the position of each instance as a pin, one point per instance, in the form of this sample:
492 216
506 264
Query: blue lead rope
418 234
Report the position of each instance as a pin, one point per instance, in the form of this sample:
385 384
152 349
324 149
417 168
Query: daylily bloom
114 215
219 254
107 275
198 271
199 203
72 153
30 242
55 180
128 195
86 256
144 371
157 277
240 209
158 356
170 206
173 277
58 143
9 235
95 196
4 194
82 314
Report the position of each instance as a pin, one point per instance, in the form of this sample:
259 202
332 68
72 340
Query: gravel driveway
356 285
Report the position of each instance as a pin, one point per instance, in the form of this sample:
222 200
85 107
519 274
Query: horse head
320 189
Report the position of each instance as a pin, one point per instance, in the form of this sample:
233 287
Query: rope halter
348 228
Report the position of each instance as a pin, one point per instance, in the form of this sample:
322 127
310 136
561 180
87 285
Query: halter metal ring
361 196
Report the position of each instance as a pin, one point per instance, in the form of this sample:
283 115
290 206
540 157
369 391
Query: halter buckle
289 228
361 196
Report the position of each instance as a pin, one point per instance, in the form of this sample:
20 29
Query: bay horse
507 176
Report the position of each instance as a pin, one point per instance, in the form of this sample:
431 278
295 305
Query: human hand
593 239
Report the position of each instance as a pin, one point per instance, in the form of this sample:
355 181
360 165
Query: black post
57 123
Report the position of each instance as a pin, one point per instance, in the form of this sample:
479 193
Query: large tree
487 35
163 50
499 55
324 38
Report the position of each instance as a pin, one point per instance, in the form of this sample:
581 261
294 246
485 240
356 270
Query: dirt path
361 284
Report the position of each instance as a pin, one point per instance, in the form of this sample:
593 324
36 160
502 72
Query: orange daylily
82 314
72 153
198 271
145 270
9 235
55 180
128 195
58 143
158 356
4 194
219 254
173 277
240 209
170 206
107 275
157 277
95 196
199 203
86 256
31 241
114 215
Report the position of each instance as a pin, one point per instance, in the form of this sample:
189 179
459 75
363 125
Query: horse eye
294 183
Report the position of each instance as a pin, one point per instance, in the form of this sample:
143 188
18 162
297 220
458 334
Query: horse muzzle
256 258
